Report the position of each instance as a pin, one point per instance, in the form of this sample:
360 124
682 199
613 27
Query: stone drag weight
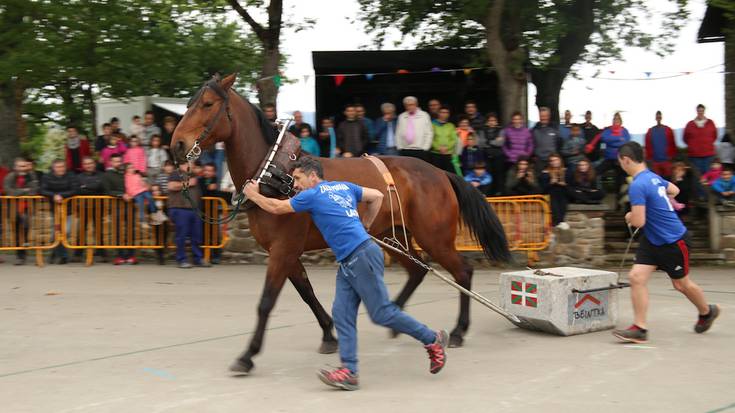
156 339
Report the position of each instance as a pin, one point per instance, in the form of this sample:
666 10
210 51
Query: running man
333 207
663 244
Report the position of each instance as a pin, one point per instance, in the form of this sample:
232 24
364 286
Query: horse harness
391 190
273 175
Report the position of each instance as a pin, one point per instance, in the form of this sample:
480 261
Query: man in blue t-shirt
333 208
663 245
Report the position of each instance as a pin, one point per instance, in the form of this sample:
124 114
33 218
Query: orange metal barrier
28 223
525 219
106 222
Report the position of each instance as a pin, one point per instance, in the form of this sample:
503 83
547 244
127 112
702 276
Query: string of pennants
601 75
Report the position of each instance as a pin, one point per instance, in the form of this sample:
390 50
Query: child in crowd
520 179
715 170
724 187
471 154
308 144
683 177
137 190
480 178
162 178
115 146
136 127
464 130
583 185
198 169
573 147
157 155
553 182
161 235
135 155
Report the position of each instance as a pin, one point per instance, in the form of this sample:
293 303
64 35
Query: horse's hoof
455 341
241 366
328 347
394 334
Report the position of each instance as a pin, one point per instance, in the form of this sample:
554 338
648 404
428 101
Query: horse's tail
481 220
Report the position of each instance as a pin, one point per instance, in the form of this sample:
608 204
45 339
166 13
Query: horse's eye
208 104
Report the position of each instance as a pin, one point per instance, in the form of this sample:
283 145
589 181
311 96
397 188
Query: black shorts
673 259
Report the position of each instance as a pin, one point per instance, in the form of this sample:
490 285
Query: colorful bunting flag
403 71
648 74
467 72
338 79
277 80
369 76
436 69
306 78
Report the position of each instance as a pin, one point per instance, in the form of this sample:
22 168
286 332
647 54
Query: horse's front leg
278 270
301 282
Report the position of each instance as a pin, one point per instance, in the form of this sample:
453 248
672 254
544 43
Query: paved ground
159 339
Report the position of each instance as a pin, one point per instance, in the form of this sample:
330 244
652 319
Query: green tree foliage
545 38
59 56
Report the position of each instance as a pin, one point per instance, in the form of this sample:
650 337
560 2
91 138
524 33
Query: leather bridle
196 149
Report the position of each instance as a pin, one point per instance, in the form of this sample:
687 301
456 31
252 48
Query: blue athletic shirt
663 226
333 207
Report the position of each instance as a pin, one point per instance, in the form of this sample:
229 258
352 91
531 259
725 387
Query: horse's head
207 119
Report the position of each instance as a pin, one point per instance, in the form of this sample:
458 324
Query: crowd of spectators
564 160
135 166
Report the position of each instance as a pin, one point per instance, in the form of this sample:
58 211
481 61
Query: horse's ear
228 81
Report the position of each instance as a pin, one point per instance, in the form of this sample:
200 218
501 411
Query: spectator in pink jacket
137 189
714 173
135 155
115 146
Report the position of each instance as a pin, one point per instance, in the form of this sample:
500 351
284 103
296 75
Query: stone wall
722 231
242 248
583 243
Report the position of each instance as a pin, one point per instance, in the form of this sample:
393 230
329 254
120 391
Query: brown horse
432 201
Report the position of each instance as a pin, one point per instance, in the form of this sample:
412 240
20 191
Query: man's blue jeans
188 225
360 278
702 163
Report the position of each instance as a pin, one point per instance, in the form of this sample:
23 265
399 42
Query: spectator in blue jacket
385 130
724 187
480 178
308 144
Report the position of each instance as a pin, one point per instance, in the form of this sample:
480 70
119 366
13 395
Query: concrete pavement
159 339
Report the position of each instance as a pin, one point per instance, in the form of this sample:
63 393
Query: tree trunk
730 79
9 126
548 88
267 90
89 100
507 60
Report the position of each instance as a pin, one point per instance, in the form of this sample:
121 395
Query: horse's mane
270 133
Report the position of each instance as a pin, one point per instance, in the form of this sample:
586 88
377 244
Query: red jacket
83 151
670 143
701 141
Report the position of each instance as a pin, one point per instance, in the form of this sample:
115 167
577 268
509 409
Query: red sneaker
132 261
437 352
118 261
340 378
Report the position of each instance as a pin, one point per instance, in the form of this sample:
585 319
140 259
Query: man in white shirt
414 132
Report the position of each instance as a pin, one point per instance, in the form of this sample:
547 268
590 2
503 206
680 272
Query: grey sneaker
632 334
340 378
704 323
184 264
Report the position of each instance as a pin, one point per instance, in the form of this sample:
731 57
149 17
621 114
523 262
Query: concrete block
547 302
